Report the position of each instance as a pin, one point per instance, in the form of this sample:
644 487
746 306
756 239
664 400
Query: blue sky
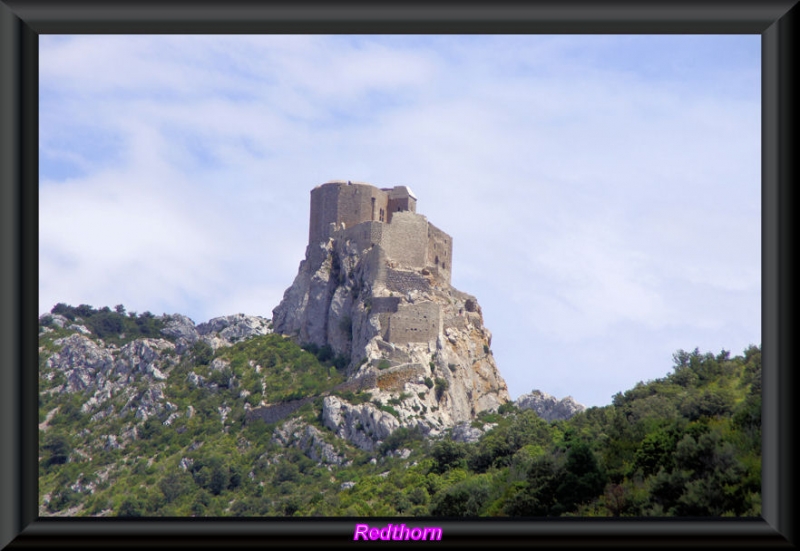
603 192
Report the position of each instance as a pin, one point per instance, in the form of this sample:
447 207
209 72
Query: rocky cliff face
421 341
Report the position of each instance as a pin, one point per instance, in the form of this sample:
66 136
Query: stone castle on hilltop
375 287
380 216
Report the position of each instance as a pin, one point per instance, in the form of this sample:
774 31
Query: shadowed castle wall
439 251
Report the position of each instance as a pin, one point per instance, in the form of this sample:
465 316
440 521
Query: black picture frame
21 21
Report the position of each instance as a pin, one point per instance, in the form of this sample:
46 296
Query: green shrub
441 386
202 353
401 437
508 407
390 409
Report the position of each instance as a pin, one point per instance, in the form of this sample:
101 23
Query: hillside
144 415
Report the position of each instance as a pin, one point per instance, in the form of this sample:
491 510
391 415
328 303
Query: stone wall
364 235
344 203
400 250
365 382
324 211
440 252
406 239
402 281
349 204
385 305
396 378
368 216
361 203
414 323
400 199
275 412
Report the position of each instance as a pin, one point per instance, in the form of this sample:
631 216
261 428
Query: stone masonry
385 217
375 287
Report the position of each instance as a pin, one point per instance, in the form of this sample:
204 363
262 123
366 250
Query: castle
375 288
385 217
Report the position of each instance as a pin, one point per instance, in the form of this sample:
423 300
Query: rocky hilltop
374 288
549 407
103 372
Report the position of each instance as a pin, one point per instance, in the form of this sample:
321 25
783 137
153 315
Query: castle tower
401 199
349 203
375 287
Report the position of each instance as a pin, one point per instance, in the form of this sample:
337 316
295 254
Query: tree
286 472
62 309
84 310
202 352
130 507
657 451
583 479
105 324
499 445
57 449
448 455
708 403
537 496
441 386
174 485
466 499
220 476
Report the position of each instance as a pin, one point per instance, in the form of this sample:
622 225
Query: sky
602 192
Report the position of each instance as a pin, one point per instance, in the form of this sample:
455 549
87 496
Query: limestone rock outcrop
309 440
226 330
549 407
363 425
375 287
137 370
81 360
217 332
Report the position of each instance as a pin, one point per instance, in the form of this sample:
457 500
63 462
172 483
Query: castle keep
386 217
375 288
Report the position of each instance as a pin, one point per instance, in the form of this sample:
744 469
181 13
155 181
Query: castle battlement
386 217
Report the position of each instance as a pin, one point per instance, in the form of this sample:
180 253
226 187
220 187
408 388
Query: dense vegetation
686 444
113 326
